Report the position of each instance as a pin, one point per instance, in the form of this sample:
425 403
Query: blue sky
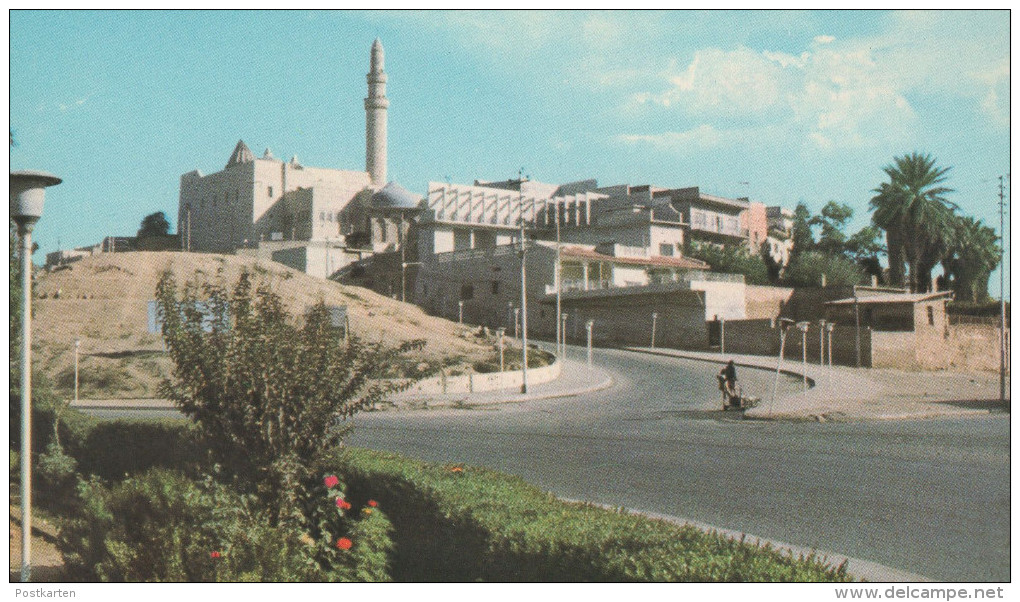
783 107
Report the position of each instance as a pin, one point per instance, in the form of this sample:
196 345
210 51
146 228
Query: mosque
313 219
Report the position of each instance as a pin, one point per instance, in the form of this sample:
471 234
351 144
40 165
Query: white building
297 214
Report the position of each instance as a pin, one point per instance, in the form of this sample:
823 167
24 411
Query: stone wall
761 337
976 347
766 302
619 321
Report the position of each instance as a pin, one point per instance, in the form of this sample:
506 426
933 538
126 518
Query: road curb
856 567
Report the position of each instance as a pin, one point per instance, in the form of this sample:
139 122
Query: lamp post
27 195
803 327
829 327
655 316
517 322
588 326
460 311
563 334
499 337
821 342
784 324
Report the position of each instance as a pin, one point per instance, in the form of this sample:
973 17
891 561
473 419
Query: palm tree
971 255
915 215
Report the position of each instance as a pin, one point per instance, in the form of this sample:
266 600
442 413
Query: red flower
214 554
342 504
344 544
373 503
331 481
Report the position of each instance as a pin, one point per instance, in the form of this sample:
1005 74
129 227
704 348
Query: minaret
375 117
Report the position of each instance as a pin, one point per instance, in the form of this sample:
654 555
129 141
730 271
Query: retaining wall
490 381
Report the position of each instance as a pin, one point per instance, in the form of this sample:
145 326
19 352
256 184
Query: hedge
455 523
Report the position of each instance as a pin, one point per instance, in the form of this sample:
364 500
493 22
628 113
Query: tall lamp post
27 194
803 327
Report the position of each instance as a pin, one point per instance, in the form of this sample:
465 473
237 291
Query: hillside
103 300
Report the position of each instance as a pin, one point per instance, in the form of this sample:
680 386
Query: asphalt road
929 497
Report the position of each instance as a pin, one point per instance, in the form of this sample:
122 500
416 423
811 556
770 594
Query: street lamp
27 195
460 311
784 325
821 342
655 316
803 327
588 327
524 307
499 337
562 343
829 327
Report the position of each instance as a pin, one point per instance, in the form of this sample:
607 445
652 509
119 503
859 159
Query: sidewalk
577 378
843 393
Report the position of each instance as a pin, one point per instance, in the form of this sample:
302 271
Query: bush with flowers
268 396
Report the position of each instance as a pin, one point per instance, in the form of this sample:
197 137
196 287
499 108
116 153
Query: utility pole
655 316
1002 290
524 306
559 278
857 326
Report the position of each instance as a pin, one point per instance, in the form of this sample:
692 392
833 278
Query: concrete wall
766 302
491 381
976 347
725 300
894 350
627 320
762 337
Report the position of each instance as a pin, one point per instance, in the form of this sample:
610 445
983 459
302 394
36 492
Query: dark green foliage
911 207
972 252
732 259
807 268
803 237
537 358
154 224
471 524
268 395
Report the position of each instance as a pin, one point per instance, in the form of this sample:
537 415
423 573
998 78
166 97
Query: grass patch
455 523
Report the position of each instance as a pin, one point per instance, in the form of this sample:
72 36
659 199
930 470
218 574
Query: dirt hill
103 300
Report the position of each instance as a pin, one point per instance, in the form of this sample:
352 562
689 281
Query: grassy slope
103 300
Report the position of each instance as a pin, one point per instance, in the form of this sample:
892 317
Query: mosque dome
395 196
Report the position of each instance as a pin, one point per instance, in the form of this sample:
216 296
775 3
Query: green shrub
266 393
164 526
457 524
807 268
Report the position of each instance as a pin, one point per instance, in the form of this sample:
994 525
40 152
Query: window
931 316
495 287
270 192
666 249
467 292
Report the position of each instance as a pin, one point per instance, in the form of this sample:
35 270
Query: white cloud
824 39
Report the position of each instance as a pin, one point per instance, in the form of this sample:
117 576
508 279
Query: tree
803 238
732 260
269 395
807 268
833 218
971 255
916 216
154 224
